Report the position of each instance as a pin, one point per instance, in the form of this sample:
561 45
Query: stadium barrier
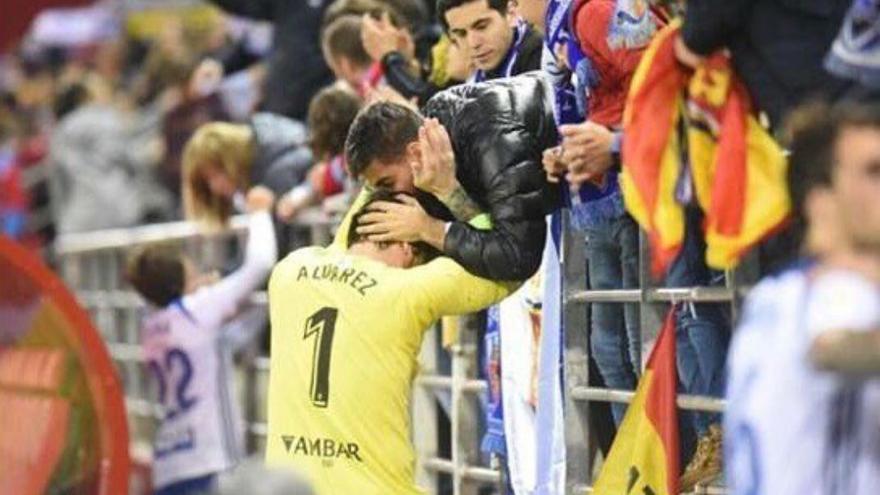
92 264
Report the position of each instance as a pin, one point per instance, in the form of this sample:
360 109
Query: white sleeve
218 302
842 300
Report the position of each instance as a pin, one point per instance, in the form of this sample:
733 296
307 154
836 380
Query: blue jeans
612 251
702 330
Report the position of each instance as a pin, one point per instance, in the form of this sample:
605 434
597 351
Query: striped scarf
593 202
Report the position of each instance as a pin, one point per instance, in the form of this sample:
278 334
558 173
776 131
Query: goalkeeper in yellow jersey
347 326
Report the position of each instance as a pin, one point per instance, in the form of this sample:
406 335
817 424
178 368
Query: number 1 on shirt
322 324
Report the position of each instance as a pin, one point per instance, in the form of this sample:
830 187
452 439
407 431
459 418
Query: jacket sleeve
710 24
254 9
512 248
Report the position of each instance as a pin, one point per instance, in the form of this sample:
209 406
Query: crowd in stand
492 114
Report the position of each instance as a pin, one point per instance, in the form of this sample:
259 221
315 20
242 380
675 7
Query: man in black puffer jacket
490 161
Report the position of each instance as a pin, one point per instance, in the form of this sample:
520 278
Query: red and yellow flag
737 169
651 154
644 459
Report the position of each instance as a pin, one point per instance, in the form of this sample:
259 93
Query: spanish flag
698 126
644 458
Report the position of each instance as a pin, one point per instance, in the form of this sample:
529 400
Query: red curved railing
38 310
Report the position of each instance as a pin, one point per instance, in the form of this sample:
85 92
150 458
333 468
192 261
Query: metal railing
653 302
92 265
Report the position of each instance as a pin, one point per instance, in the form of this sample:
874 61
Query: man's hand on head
435 172
587 151
401 222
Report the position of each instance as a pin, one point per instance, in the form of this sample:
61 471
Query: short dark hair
342 37
424 251
331 113
156 271
811 134
381 131
444 5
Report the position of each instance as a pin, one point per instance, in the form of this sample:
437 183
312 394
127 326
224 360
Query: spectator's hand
684 54
380 37
388 221
586 151
553 166
259 198
459 65
286 209
435 171
206 78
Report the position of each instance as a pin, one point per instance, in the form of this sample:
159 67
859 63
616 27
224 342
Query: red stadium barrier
61 405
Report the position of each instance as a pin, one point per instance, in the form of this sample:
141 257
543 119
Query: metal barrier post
425 414
576 354
465 437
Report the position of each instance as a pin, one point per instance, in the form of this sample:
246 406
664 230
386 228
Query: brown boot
707 462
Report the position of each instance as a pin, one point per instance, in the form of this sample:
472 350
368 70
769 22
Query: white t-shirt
791 429
189 346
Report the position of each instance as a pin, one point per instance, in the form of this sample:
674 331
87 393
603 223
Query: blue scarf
591 204
855 54
493 441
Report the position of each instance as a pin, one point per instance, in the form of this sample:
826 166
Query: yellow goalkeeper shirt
346 331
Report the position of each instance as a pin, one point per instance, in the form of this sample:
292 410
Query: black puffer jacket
499 129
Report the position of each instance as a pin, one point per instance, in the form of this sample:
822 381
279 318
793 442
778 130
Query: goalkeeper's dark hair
424 251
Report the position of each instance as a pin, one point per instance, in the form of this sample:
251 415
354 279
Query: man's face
856 186
486 33
218 181
394 175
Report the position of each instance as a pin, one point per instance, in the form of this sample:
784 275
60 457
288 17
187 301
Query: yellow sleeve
340 240
443 287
